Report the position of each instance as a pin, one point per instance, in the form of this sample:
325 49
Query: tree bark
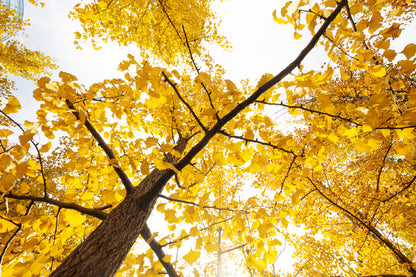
102 253
105 249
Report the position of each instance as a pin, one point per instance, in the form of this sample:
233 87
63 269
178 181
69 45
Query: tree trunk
105 249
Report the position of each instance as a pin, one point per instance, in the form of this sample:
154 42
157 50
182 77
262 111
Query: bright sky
260 45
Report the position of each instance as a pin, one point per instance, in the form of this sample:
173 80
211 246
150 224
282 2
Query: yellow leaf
21 209
29 133
144 167
361 146
385 132
378 71
332 137
367 128
74 218
203 78
66 77
264 228
6 226
297 35
279 20
192 256
264 79
257 263
164 165
12 106
409 51
45 147
154 102
378 100
167 258
219 158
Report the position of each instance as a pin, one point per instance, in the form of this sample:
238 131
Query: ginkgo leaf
192 256
203 78
264 79
74 218
29 133
297 35
264 228
378 71
155 102
12 106
409 51
279 20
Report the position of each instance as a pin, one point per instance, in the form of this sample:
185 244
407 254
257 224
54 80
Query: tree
187 144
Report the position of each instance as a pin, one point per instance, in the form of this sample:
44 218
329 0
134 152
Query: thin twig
9 241
199 230
184 102
287 173
301 107
382 166
409 184
204 206
93 212
170 21
110 154
39 157
222 132
189 48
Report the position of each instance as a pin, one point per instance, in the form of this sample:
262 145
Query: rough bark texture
102 253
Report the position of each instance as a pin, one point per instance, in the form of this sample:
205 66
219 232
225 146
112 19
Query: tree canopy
175 141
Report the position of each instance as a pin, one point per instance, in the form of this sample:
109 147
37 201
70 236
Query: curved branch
301 107
7 244
98 213
189 49
39 157
222 132
402 258
195 204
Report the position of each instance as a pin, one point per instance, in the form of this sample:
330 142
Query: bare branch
157 249
382 166
222 132
108 151
184 102
93 212
39 157
234 248
189 48
9 241
195 204
287 173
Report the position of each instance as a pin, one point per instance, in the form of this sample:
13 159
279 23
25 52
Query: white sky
260 45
